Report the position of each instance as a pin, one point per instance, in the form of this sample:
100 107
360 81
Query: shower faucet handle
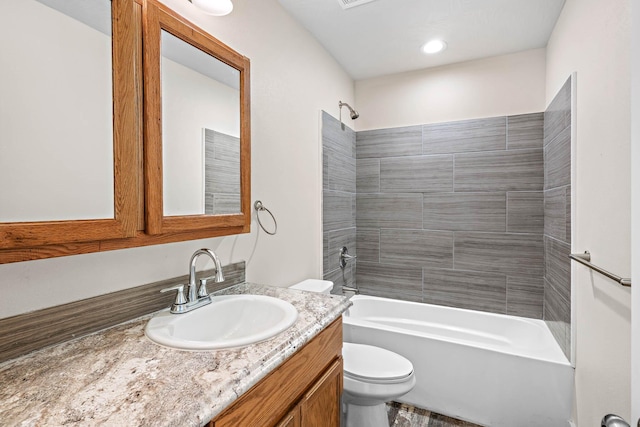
344 257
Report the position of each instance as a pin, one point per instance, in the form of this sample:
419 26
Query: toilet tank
314 285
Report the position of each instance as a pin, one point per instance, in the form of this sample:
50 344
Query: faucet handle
202 289
180 297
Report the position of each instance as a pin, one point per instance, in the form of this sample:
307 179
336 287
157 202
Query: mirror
197 129
69 133
56 127
200 131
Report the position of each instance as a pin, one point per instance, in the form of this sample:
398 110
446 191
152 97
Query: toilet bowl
372 375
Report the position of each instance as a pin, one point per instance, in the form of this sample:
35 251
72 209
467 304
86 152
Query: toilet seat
374 364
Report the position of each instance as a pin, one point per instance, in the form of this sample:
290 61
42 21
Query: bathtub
490 369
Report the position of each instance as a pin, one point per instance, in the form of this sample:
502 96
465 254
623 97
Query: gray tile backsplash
338 200
525 296
368 176
416 248
474 290
519 255
463 136
465 211
221 173
395 142
525 212
389 280
389 210
451 213
525 131
416 174
507 170
557 215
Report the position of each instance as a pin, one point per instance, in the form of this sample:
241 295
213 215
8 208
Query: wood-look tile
368 245
555 212
558 267
226 204
417 248
337 137
222 163
325 168
341 171
338 239
557 316
464 136
525 131
513 170
225 147
557 117
337 210
368 175
389 211
510 254
27 332
427 174
325 252
389 281
568 214
341 277
472 290
403 415
557 161
525 296
465 211
393 142
525 212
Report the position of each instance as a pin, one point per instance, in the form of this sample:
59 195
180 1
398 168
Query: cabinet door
292 419
320 406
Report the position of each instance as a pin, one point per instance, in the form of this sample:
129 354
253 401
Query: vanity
119 377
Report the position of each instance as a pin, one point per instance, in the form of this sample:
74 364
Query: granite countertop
117 377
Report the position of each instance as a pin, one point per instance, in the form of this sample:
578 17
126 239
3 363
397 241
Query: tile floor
401 415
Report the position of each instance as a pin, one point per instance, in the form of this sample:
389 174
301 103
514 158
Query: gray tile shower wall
339 199
449 213
557 217
222 165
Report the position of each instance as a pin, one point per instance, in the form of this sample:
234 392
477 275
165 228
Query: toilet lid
366 362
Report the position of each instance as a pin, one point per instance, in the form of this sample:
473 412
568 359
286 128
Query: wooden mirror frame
158 17
21 235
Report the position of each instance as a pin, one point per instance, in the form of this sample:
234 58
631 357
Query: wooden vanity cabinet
302 392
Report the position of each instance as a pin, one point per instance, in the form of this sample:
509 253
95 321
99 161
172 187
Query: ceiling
383 37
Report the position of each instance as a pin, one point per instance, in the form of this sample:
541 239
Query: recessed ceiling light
434 46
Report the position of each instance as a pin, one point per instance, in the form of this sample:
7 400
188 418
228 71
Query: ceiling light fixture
214 7
434 46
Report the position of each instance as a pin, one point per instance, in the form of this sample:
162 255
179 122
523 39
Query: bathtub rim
558 358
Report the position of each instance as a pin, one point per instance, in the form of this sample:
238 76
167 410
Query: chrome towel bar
585 259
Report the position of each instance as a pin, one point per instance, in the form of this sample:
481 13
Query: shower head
354 113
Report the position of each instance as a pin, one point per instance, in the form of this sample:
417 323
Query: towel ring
258 206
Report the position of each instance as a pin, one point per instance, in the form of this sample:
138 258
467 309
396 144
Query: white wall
497 86
292 79
55 82
592 38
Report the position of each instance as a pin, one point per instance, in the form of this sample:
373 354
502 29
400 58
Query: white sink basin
229 321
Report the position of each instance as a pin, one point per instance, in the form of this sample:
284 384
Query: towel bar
585 259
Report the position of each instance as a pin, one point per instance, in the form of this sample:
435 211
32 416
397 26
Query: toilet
372 375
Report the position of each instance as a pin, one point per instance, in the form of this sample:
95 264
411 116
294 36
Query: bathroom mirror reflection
200 131
56 111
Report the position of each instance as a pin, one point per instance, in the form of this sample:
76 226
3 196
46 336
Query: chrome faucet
200 297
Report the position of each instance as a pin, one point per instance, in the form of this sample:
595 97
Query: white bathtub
490 369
